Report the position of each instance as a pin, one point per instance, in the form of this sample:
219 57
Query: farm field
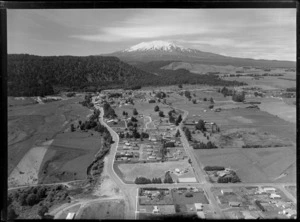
64 154
280 108
247 118
26 172
106 210
266 82
150 170
198 68
240 137
31 125
254 165
20 101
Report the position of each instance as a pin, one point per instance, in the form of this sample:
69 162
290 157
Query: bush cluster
187 134
87 101
161 95
109 112
231 178
214 168
168 178
208 145
144 180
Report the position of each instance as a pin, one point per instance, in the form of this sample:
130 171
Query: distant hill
203 68
166 51
30 75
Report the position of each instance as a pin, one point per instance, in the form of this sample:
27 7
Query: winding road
129 191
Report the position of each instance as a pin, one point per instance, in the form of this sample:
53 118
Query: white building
223 191
155 210
289 212
187 180
275 196
199 206
269 189
70 216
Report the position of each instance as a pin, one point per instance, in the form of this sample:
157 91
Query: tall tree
135 112
200 125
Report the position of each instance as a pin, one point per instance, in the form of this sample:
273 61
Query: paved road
146 125
128 190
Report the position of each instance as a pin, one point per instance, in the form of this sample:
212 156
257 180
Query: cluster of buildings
164 202
260 202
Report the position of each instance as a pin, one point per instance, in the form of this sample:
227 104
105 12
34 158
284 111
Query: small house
223 191
275 196
269 189
234 204
222 173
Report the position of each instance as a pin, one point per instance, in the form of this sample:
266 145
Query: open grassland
31 125
20 101
266 82
240 137
202 68
254 165
106 210
150 170
198 68
164 209
292 190
279 108
69 156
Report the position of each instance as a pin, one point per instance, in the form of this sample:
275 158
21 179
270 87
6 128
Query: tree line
30 75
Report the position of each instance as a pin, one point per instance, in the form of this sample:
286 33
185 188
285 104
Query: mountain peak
157 45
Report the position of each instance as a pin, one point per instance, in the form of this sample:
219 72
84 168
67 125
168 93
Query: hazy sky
249 33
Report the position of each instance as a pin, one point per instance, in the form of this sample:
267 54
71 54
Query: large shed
187 180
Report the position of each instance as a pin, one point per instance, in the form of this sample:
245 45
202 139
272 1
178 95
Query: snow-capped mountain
161 50
157 46
167 51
